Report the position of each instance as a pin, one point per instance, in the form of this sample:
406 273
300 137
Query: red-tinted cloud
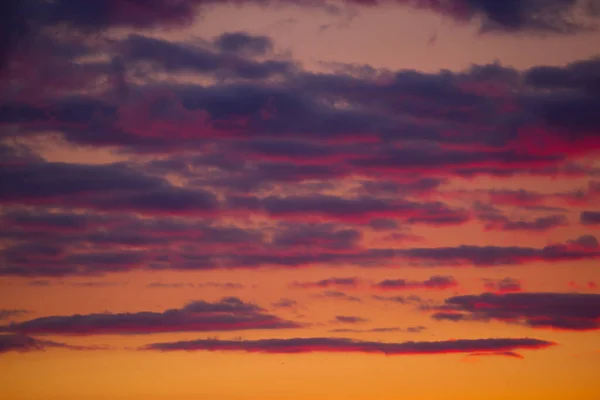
355 209
22 343
329 282
337 295
436 282
338 345
590 218
560 311
228 314
510 354
11 313
349 319
410 329
504 285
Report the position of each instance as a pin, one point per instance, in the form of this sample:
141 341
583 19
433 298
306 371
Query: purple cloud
559 311
436 282
22 343
348 319
228 314
339 345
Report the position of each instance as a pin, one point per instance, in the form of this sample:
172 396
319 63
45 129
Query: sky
299 199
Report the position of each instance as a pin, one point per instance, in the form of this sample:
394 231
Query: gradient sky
295 199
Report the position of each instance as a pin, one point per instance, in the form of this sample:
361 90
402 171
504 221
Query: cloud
177 285
242 42
494 219
410 329
590 218
135 244
509 354
334 294
578 75
179 57
546 16
10 313
584 247
115 187
350 209
340 345
504 285
311 236
281 123
436 282
383 224
348 319
22 343
228 314
285 303
412 299
560 311
174 285
327 283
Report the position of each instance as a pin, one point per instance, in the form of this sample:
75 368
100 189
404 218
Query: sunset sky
299 199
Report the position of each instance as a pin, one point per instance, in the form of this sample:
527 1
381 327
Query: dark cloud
228 314
334 294
178 285
520 197
339 345
504 285
584 247
236 248
581 197
327 283
423 185
410 329
311 236
103 187
222 285
24 19
383 224
298 120
561 311
42 220
436 282
174 285
242 42
348 319
460 162
580 75
174 57
285 303
590 218
11 313
501 222
58 243
544 16
541 17
351 209
509 354
412 299
22 343
37 182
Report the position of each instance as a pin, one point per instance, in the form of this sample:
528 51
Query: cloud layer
560 311
228 314
339 345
